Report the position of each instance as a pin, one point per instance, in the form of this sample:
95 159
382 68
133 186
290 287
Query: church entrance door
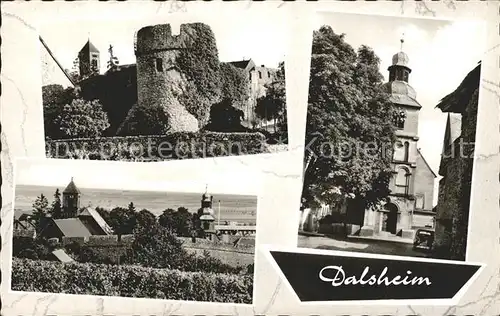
390 218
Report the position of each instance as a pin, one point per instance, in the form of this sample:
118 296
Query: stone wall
454 200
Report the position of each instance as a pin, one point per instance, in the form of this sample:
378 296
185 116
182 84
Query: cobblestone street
367 246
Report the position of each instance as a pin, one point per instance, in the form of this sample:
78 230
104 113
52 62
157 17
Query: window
398 151
159 64
260 75
268 74
94 64
420 202
405 75
402 181
392 76
399 119
407 151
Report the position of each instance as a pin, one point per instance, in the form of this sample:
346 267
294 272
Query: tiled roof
240 63
98 218
71 188
89 47
72 227
457 100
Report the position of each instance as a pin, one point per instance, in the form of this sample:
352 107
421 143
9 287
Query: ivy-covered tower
71 200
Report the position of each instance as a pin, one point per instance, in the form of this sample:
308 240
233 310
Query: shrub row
129 281
173 146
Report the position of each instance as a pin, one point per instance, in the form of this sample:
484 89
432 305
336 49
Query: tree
145 218
348 136
40 211
272 106
81 119
156 247
56 210
224 117
54 98
182 222
122 221
166 219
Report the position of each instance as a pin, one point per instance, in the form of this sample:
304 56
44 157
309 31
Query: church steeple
89 59
399 70
71 200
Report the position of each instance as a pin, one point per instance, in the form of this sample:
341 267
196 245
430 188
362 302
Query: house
259 77
75 222
452 211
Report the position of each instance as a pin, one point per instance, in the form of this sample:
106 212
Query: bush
82 118
173 146
129 281
27 247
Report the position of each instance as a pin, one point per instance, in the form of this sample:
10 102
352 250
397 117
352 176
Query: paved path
359 245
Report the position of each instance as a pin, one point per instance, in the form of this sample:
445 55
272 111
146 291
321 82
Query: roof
55 60
401 93
72 227
98 218
240 63
89 47
457 100
72 188
400 59
426 163
62 255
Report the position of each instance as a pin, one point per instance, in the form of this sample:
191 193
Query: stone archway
390 218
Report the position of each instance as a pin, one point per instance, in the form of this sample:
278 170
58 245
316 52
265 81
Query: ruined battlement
151 39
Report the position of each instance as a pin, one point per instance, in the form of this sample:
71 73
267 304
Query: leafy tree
272 106
156 247
166 219
182 222
35 249
122 221
145 218
131 207
56 210
82 119
54 98
40 211
145 120
224 117
348 136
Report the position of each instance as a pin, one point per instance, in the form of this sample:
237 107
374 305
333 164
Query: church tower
89 59
71 200
401 203
207 216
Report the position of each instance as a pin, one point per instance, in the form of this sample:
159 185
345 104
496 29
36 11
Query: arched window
407 151
402 181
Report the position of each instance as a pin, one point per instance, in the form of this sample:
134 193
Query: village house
456 167
259 77
76 221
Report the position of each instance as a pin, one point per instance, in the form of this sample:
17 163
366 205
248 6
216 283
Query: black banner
319 278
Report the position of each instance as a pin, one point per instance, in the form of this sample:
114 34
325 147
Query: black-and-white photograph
131 234
390 135
142 91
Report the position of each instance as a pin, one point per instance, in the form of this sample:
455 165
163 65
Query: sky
169 177
441 53
264 41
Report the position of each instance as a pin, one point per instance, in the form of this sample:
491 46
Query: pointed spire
206 188
402 40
